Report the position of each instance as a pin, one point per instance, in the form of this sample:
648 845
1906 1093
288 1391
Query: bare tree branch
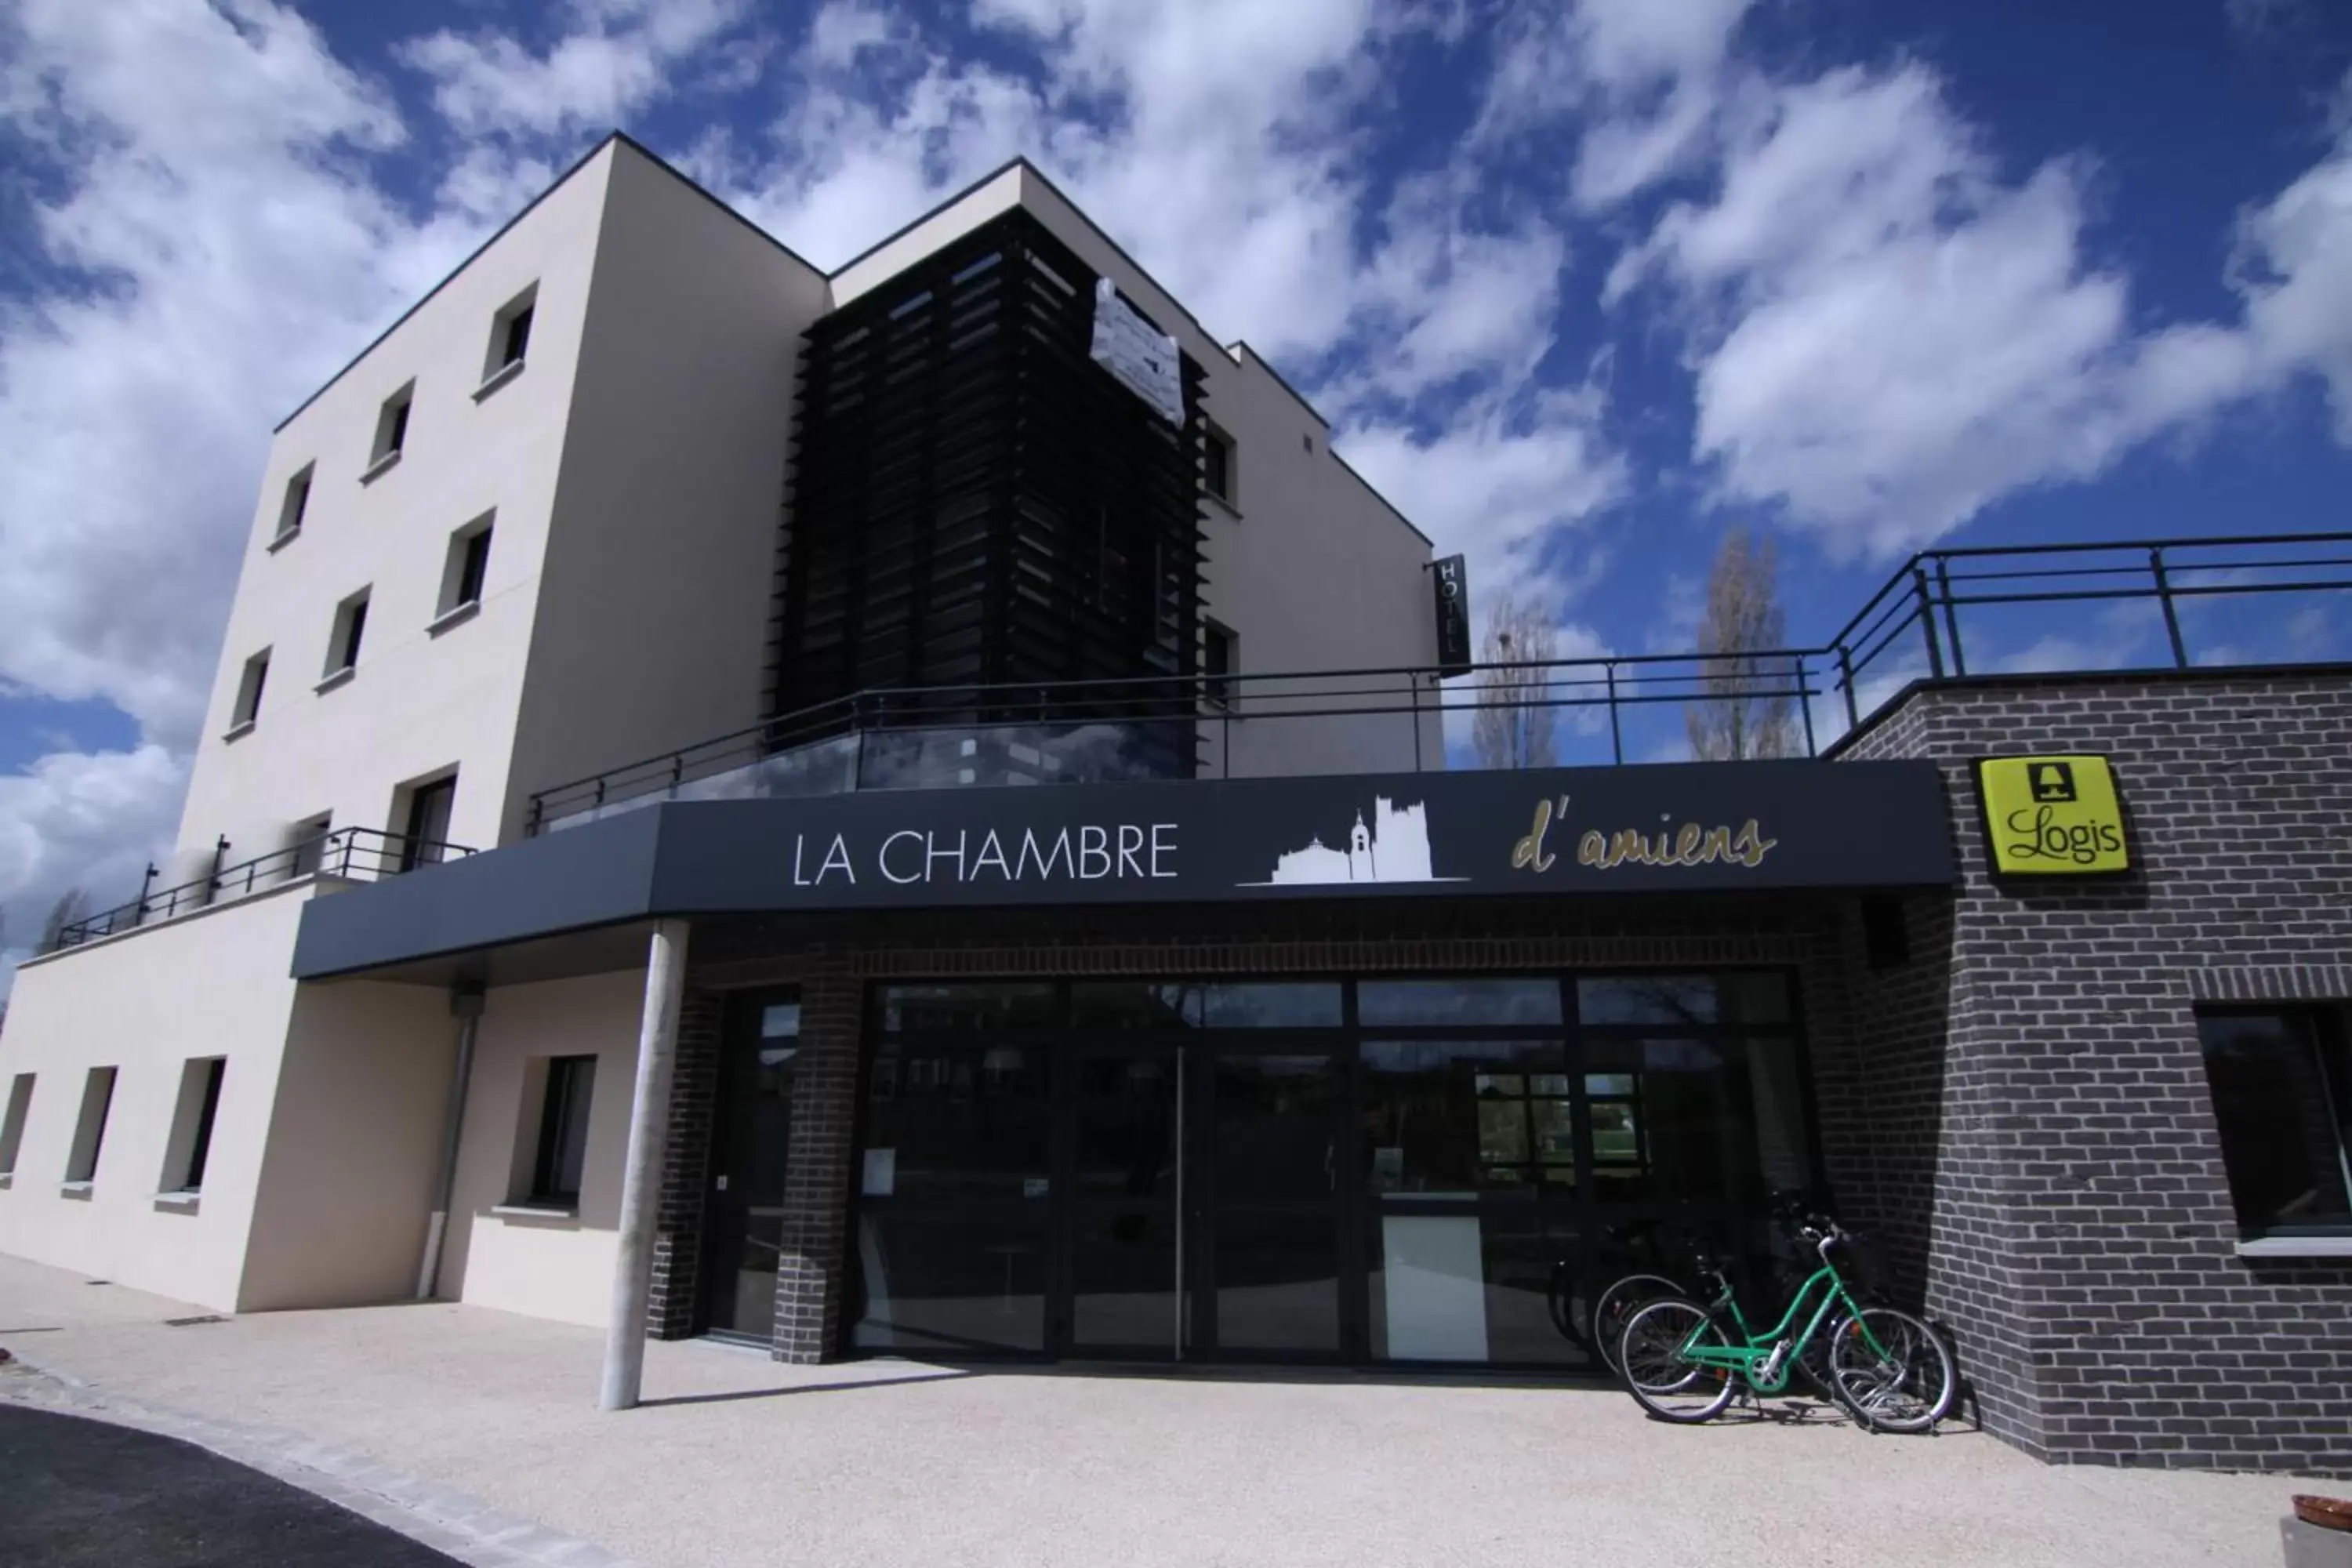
1748 709
1514 727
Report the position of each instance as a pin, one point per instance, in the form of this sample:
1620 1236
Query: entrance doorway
1377 1171
751 1144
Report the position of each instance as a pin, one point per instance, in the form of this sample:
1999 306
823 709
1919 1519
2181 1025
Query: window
1217 463
2282 1084
90 1129
391 428
248 691
462 572
427 827
344 642
1219 653
563 1133
515 337
298 501
12 1127
309 840
192 1125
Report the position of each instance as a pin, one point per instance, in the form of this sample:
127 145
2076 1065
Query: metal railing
1161 726
351 854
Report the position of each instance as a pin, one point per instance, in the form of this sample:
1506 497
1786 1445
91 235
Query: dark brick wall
686 1166
2041 1136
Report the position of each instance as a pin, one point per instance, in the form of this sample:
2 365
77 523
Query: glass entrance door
744 1217
1265 1200
1124 1234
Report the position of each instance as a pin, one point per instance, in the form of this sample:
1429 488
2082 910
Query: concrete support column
466 1007
624 1337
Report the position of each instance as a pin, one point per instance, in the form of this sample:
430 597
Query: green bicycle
1686 1361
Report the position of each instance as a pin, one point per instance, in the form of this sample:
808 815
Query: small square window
249 688
465 568
562 1131
1217 464
510 339
297 503
89 1128
2282 1084
12 1127
392 426
1220 657
344 641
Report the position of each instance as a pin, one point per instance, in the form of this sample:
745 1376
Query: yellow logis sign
2051 816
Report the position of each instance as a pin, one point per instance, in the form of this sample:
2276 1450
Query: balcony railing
1943 615
351 854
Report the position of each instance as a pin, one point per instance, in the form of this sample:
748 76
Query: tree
71 905
1515 723
1749 707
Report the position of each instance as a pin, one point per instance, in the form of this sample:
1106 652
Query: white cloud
622 56
1886 336
73 820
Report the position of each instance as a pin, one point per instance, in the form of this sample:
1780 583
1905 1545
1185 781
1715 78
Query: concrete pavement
737 1460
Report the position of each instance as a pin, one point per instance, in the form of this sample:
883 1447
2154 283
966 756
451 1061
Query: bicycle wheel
1667 1383
1906 1384
1616 1308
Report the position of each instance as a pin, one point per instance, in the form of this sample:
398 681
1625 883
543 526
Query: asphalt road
76 1493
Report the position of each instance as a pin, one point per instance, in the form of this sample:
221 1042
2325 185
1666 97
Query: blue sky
1580 285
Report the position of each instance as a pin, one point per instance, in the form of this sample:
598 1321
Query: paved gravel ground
87 1494
737 1460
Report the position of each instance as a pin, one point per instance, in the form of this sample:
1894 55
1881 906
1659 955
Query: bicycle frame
1767 1360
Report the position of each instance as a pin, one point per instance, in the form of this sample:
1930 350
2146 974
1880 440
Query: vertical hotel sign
1450 579
2051 816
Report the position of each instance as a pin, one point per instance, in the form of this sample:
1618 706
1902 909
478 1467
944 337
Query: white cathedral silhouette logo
1394 848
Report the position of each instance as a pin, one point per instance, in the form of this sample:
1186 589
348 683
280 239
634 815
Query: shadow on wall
347 1170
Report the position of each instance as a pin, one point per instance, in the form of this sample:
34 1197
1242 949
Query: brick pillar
812 1267
685 1168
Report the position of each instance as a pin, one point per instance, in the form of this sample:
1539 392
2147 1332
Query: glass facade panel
989 1004
944 1120
1736 998
1385 1003
1473 1287
1696 1120
948 1283
1204 1005
1123 1281
1439 1117
1277 1281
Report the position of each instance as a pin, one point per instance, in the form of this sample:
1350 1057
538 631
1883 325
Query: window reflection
1696 1120
1446 1001
1205 1004
1440 1118
1740 996
947 1119
963 1008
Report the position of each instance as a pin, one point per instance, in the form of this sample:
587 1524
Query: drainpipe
632 1268
466 1006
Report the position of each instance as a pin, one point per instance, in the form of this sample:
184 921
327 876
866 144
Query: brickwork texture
2032 1111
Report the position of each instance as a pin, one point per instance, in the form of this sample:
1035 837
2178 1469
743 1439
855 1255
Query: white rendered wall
208 984
998 193
419 702
660 571
545 1267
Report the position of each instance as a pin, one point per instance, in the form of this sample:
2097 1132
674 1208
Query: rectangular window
298 501
509 337
1217 463
89 1128
2282 1085
1220 654
392 425
192 1124
248 691
344 642
518 337
12 1127
426 831
562 1131
466 566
